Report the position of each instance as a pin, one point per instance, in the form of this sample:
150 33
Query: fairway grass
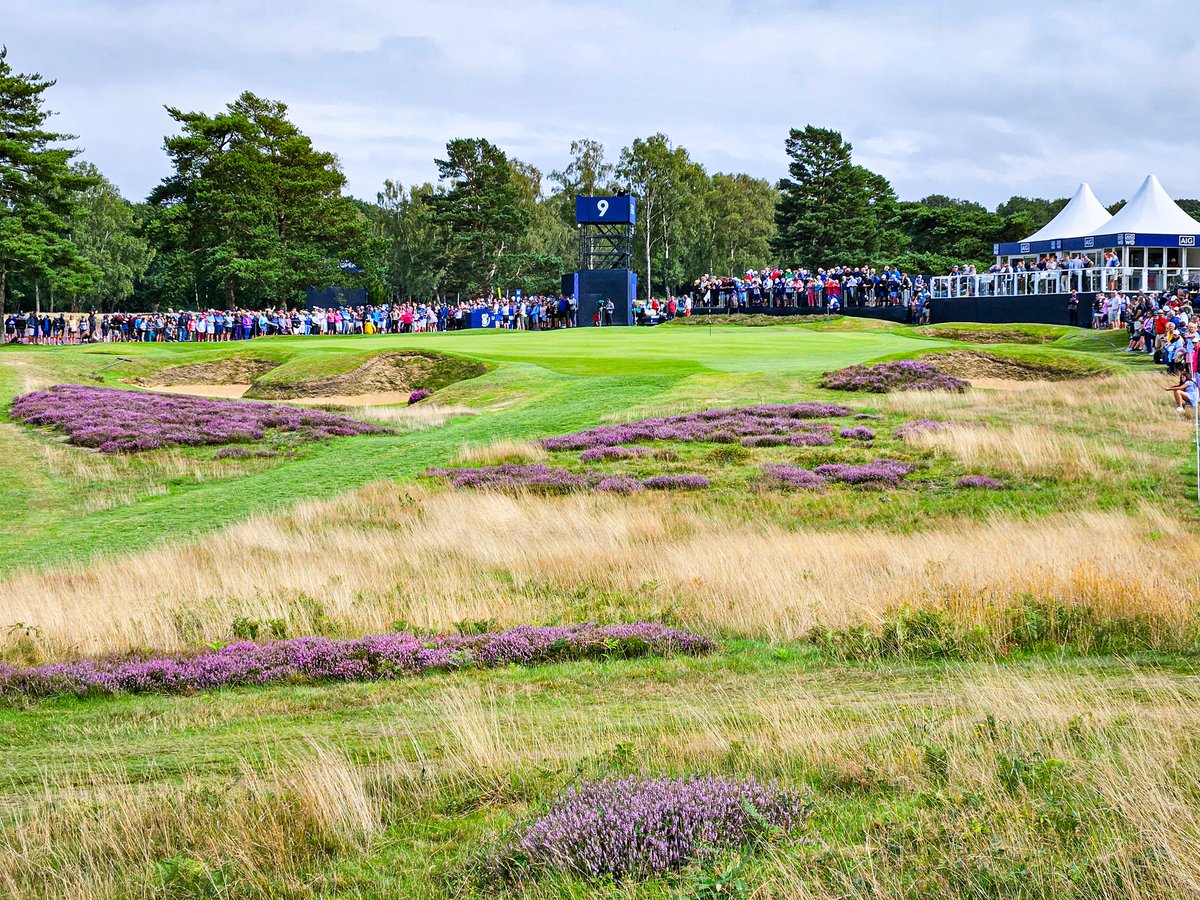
981 693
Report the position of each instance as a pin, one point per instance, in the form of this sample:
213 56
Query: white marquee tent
1084 214
1151 211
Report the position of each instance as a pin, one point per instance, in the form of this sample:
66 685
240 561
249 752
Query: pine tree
37 187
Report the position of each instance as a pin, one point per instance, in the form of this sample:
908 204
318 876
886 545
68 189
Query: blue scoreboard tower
605 251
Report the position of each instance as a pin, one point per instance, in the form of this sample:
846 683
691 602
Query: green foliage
106 230
38 191
252 213
412 259
829 209
1028 626
482 215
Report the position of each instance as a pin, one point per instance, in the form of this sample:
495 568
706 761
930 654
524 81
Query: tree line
252 213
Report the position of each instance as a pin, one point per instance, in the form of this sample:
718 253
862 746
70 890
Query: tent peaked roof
1079 217
1150 211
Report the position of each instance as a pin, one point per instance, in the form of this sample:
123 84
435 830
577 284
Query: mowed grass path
561 381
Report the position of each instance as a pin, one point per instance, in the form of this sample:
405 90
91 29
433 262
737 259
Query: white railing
1057 281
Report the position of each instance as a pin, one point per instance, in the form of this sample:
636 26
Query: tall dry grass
386 554
1016 748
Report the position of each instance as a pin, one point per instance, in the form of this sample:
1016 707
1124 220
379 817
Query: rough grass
987 694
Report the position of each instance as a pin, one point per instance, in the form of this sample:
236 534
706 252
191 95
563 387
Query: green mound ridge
1017 364
1016 333
334 374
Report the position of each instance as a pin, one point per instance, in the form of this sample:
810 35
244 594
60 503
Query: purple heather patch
715 425
418 395
882 378
639 826
120 421
979 481
619 484
372 658
878 472
859 433
513 476
676 482
793 477
599 454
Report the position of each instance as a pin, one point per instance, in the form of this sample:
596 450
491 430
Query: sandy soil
223 391
235 391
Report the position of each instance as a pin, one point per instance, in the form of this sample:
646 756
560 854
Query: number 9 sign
605 210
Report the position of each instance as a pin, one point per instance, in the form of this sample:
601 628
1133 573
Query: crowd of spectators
536 313
826 289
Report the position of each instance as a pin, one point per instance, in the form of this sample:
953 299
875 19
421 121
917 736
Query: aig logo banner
1187 240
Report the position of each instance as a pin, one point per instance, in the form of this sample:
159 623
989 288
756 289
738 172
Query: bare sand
223 391
235 391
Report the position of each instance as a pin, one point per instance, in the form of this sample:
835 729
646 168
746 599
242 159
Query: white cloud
940 97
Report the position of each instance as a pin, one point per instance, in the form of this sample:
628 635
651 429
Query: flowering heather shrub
715 425
979 481
809 439
418 395
676 482
619 484
793 477
639 826
599 454
119 421
534 476
882 378
877 472
859 433
310 659
243 453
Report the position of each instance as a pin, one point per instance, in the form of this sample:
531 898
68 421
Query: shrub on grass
317 659
513 476
120 421
619 484
713 425
793 477
859 433
887 472
418 395
630 827
676 482
600 454
979 481
882 378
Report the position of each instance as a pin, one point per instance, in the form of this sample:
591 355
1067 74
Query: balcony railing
1058 281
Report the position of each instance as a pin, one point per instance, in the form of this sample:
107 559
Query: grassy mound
1016 333
348 374
1040 366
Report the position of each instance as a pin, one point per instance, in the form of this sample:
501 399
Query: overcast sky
971 99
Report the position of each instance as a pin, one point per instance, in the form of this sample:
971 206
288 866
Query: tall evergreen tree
252 208
37 187
825 214
481 213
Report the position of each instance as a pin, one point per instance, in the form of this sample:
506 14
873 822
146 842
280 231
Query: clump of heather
880 472
619 484
713 425
119 421
319 659
637 826
859 433
809 439
979 481
533 476
793 477
600 454
418 395
240 452
676 482
882 378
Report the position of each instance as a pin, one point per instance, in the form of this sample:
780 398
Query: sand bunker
221 391
990 335
387 373
978 367
232 371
